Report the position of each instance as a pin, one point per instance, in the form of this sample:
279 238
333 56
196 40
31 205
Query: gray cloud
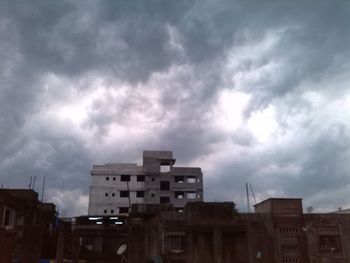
85 82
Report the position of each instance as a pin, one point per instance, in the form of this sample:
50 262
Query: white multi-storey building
115 187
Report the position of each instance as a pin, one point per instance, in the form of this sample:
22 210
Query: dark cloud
83 82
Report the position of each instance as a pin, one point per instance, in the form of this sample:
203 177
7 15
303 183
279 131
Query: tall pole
30 183
43 189
247 191
251 188
34 183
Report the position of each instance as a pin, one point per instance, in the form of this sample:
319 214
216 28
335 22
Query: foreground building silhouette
27 227
175 229
277 232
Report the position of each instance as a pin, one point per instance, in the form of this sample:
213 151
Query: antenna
42 193
34 183
30 183
247 191
251 189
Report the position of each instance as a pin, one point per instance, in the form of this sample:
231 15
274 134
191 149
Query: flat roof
278 198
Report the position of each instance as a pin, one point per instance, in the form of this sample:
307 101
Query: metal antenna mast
43 190
248 203
251 189
34 183
30 183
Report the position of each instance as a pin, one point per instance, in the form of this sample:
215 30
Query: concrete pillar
217 242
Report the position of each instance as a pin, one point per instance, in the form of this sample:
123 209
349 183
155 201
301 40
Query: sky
250 91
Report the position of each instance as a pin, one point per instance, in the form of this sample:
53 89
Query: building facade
115 187
278 232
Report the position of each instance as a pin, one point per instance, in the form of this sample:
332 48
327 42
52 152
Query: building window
179 195
179 209
124 193
20 219
113 194
164 168
176 244
112 211
106 194
289 253
329 244
152 195
179 179
123 210
191 195
164 199
8 217
288 231
125 178
152 179
140 194
191 179
113 178
164 185
140 178
107 178
105 211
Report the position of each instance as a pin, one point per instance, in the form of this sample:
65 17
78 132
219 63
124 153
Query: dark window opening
179 195
20 219
113 194
179 179
105 211
329 244
164 199
123 210
125 178
140 194
107 178
140 178
112 211
152 195
106 194
124 193
8 217
176 243
113 178
164 185
152 179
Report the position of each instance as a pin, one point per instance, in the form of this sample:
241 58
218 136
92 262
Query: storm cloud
249 91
